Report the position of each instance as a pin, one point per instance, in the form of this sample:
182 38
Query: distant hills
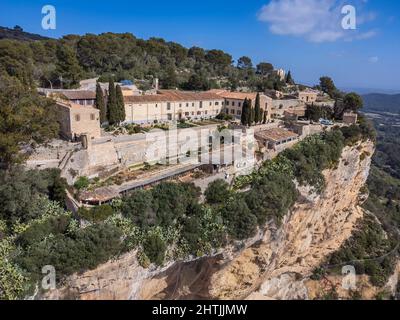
382 102
17 33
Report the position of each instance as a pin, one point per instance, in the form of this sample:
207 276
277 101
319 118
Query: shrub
138 207
96 214
241 223
83 250
82 183
154 248
271 197
217 192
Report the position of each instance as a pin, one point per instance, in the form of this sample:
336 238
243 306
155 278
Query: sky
304 36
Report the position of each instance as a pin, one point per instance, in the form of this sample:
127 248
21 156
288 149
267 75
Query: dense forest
63 62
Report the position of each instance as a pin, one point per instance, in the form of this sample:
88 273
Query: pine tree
112 108
100 104
68 69
120 104
257 110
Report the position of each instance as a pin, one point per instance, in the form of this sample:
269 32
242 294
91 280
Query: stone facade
170 105
76 120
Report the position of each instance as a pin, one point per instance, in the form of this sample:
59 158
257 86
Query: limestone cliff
270 268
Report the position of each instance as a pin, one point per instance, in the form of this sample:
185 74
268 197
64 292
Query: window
239 112
192 113
180 105
156 105
216 103
233 111
168 105
187 104
198 113
92 116
205 112
201 104
192 104
77 117
169 115
210 103
187 114
239 104
233 103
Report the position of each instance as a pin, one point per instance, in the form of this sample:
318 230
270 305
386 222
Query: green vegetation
369 250
163 223
63 62
100 104
373 247
96 214
217 192
26 118
246 113
81 183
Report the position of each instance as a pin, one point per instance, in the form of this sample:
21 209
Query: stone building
276 138
76 120
82 97
308 96
350 117
169 105
233 102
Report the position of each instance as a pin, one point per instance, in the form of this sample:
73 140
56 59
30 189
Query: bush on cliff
241 223
72 252
271 197
154 247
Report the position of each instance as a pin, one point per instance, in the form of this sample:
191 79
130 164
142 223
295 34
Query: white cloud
316 20
373 59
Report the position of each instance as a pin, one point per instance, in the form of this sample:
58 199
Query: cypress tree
112 108
120 104
243 117
250 114
265 117
100 104
257 110
289 79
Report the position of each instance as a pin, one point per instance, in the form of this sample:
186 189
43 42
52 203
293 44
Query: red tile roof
276 134
79 94
173 95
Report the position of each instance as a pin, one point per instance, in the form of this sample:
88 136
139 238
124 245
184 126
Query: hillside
382 102
18 34
123 56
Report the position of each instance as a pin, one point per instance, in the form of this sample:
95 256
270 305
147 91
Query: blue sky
304 36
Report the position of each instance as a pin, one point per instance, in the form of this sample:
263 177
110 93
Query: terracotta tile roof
276 134
237 95
78 94
173 95
71 105
99 195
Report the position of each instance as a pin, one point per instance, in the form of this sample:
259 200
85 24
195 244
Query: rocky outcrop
271 268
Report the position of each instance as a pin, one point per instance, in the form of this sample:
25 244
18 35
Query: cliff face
270 269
